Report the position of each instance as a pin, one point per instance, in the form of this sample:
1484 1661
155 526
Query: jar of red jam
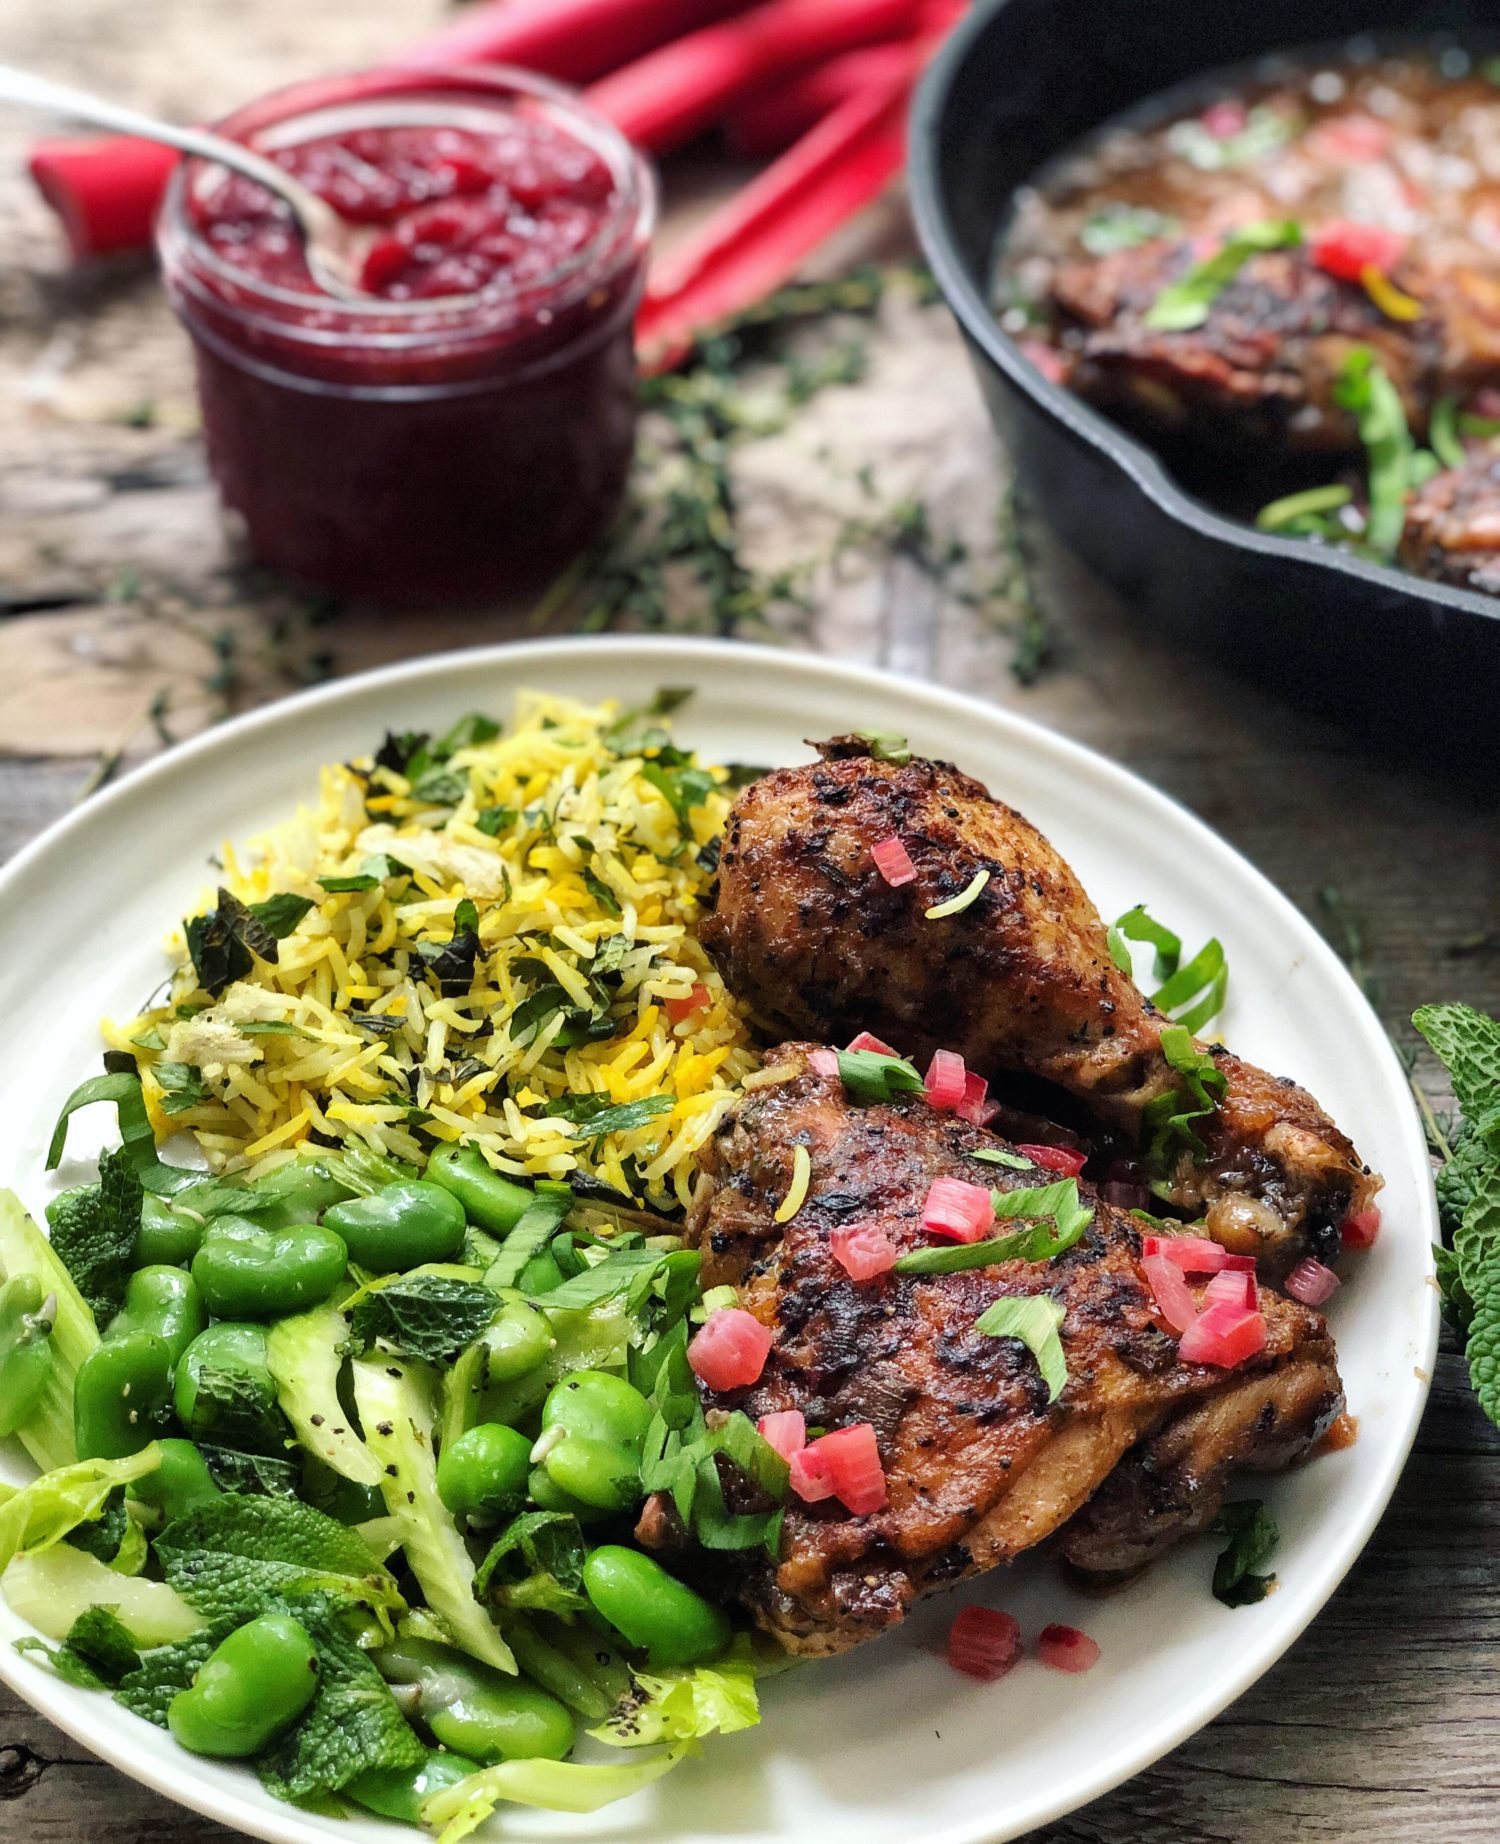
465 425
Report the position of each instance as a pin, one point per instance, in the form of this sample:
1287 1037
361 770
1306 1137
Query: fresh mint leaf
1467 1043
236 1408
492 821
684 788
535 1565
149 1688
224 943
1186 303
871 1077
359 880
229 1556
470 730
601 1115
451 963
182 1086
440 787
94 1232
266 1475
1062 1219
99 1637
1253 1534
351 1726
1033 1319
431 1316
404 752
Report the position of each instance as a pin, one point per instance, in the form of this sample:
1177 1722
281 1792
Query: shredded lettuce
48 1433
554 1786
304 1355
35 1516
395 1402
688 1704
53 1588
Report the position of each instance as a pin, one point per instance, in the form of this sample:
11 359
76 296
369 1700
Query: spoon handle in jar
20 86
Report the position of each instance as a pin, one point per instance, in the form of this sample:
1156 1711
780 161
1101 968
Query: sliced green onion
1308 504
1442 433
962 901
1034 1321
1185 304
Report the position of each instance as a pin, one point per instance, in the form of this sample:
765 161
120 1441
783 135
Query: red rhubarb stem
757 242
782 112
106 191
682 90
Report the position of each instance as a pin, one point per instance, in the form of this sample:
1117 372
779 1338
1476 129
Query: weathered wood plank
1382 1723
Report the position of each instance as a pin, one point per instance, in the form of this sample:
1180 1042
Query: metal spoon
333 245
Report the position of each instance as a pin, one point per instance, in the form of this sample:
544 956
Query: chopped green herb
955 905
336 886
181 1086
1035 1321
887 746
492 821
1185 304
1191 994
1395 464
1253 1534
1442 432
1169 1119
600 1115
870 1076
1118 226
1305 514
1265 130
995 1155
223 943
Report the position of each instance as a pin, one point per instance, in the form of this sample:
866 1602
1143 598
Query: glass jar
405 447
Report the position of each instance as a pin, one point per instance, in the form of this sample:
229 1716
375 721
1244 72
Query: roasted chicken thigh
979 1464
1019 980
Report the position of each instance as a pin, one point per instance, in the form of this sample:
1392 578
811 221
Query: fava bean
245 1414
246 1272
595 1456
482 1475
122 1396
301 1190
165 1301
26 1355
401 1792
252 1687
400 1226
489 1200
550 1497
476 1711
518 1339
541 1274
671 1623
168 1238
180 1484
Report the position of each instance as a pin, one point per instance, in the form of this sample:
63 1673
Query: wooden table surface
118 595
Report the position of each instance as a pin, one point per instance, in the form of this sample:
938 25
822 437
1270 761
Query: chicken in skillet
1020 980
979 1465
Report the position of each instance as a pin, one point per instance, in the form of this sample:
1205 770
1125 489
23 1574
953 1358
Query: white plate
886 1744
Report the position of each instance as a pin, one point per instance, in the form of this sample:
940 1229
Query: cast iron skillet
1021 80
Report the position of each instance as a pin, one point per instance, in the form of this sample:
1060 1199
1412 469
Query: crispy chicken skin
1021 980
1262 367
1452 531
979 1466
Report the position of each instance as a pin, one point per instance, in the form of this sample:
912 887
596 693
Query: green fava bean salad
344 1435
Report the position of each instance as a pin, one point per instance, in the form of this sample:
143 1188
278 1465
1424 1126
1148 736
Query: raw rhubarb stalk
685 88
758 240
782 112
106 191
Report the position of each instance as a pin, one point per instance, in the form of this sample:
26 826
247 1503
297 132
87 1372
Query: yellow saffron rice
584 843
